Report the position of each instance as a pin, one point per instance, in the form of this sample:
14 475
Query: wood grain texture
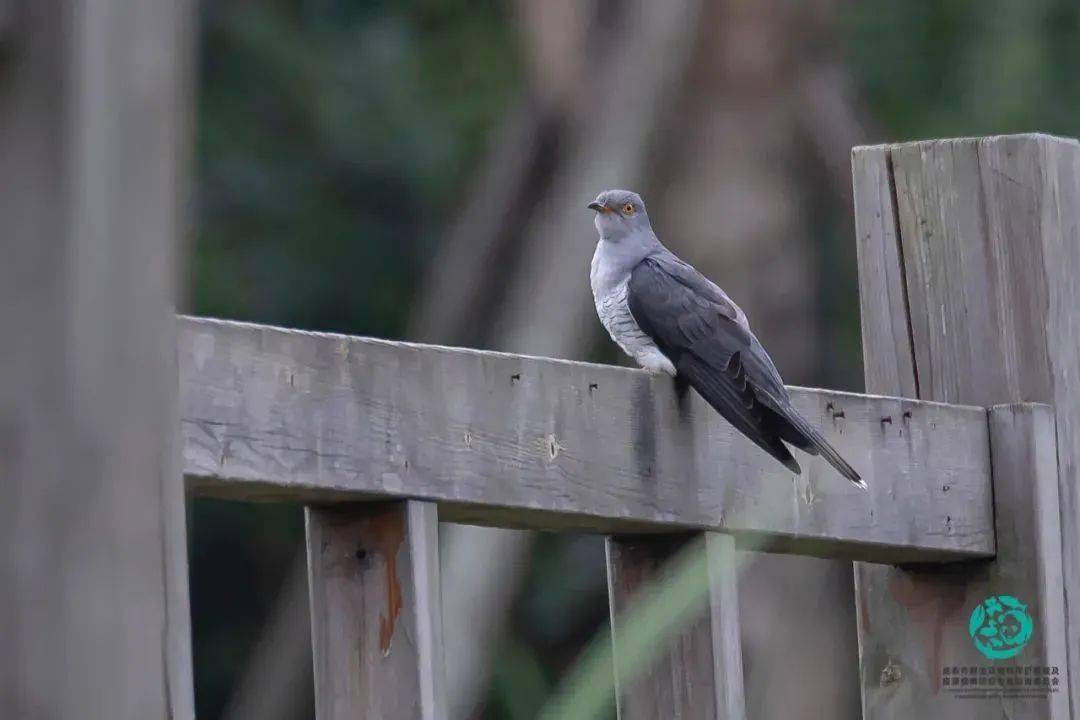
527 442
376 620
700 675
724 626
1060 214
882 292
990 258
93 574
914 624
970 228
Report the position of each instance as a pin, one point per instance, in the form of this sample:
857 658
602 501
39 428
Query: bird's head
619 213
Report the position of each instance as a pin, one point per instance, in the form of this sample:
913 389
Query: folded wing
707 340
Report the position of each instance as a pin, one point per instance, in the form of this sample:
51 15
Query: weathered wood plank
1027 517
970 229
376 620
93 582
915 624
700 675
882 292
724 626
990 257
1061 263
527 442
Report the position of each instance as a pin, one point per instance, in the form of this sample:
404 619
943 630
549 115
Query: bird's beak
598 207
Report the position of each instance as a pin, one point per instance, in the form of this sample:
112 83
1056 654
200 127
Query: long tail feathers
736 402
813 442
768 424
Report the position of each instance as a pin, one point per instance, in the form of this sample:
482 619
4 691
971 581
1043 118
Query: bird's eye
628 209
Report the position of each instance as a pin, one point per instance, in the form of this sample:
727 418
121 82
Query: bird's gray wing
698 328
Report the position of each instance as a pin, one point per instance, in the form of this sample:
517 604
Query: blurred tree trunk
94 118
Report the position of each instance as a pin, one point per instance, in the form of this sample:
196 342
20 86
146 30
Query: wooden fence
969 265
969 254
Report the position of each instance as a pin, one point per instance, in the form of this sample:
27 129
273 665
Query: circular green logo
1000 627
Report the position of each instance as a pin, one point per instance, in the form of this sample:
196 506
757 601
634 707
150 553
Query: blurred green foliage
240 554
966 67
333 139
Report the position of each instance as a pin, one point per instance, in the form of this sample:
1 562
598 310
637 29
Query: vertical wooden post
94 613
969 267
376 619
916 624
700 675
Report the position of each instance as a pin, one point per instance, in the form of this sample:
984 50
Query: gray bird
672 319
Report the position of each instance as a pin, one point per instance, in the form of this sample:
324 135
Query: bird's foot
657 365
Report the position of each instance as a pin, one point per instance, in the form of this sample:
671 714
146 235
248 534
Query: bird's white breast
609 295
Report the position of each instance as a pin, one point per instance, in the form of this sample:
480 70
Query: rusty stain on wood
375 618
384 534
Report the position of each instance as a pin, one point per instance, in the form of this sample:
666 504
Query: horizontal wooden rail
514 441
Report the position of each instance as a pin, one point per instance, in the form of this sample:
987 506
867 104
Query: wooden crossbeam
517 441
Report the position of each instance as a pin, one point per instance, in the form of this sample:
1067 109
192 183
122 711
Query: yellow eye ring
628 209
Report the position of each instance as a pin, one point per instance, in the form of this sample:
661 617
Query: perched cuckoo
672 319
